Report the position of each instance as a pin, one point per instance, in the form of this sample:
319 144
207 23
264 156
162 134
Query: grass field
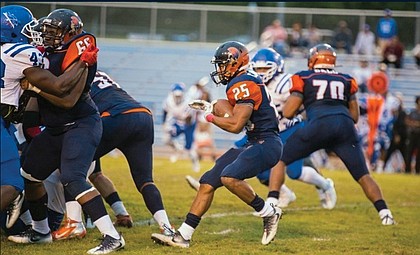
353 227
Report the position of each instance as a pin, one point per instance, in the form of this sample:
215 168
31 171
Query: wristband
210 117
34 89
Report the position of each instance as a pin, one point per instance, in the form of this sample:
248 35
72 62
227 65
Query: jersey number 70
336 89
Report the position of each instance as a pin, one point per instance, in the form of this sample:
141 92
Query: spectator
386 29
413 138
416 54
296 39
343 37
313 36
362 74
393 53
399 132
365 42
275 36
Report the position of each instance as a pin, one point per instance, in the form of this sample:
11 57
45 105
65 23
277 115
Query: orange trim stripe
107 114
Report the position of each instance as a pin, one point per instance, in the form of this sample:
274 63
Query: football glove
90 55
294 121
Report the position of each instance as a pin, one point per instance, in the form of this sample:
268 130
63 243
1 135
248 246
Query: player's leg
249 163
209 182
350 152
189 146
108 191
76 158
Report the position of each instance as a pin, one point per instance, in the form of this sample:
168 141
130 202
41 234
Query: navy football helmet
322 56
230 59
267 63
60 26
17 23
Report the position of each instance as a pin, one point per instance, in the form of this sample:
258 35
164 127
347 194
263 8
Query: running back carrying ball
222 108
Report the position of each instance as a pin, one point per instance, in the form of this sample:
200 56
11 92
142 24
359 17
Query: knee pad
76 189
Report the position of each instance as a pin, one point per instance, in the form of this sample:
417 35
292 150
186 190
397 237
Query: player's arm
51 84
292 105
354 109
61 86
236 122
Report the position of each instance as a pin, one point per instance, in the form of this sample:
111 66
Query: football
222 108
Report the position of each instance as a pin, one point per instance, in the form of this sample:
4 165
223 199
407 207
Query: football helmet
60 26
267 63
230 59
17 23
322 56
177 91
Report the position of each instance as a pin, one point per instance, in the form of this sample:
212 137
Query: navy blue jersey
249 88
109 97
325 92
57 63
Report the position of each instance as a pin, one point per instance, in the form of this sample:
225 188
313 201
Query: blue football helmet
17 25
267 63
177 91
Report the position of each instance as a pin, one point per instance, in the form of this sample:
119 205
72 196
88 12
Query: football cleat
124 221
31 236
70 229
192 182
328 197
386 217
286 198
108 244
13 210
270 225
171 238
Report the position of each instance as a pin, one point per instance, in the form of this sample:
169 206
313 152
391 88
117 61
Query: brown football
223 108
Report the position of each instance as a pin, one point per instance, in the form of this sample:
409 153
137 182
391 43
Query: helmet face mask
322 56
230 59
60 26
30 31
15 19
267 63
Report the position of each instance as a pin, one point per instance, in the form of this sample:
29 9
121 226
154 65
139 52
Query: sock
380 205
74 210
273 197
192 220
105 226
257 203
186 231
162 218
266 211
38 208
119 208
26 217
41 226
311 176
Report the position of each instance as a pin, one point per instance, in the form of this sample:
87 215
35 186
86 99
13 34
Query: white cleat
270 225
13 210
192 182
286 198
386 217
328 197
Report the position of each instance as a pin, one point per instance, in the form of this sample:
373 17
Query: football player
251 110
329 98
72 132
270 66
19 59
179 119
127 126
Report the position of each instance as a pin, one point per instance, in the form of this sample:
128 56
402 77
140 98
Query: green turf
353 227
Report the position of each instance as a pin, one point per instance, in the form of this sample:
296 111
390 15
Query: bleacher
147 69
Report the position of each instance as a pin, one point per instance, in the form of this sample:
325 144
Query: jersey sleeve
354 87
30 57
76 48
297 84
245 92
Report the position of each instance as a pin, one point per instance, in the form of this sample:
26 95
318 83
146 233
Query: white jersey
279 89
177 112
15 58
